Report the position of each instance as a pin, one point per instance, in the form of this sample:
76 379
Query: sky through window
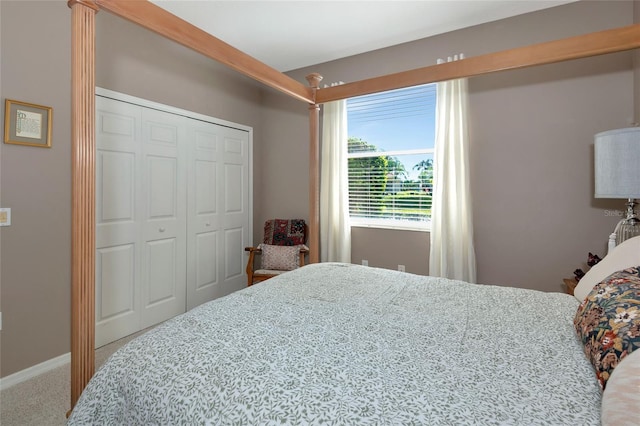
401 119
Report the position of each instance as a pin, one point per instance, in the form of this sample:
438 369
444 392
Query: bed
333 343
155 19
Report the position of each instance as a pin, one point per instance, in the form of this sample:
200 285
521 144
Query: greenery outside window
390 157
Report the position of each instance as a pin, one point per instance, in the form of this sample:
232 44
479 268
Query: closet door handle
207 224
161 229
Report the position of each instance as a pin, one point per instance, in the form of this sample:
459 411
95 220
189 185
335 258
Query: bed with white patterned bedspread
346 344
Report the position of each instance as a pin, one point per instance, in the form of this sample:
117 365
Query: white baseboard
36 370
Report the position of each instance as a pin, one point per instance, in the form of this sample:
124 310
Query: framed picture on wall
27 124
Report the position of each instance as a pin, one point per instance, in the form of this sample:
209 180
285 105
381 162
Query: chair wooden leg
250 269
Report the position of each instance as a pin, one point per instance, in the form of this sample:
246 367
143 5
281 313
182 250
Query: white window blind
390 156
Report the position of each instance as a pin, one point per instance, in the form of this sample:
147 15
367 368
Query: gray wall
531 135
36 185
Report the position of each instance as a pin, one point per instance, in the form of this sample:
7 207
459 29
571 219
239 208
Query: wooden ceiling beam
598 43
158 20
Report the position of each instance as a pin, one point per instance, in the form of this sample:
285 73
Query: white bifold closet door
172 215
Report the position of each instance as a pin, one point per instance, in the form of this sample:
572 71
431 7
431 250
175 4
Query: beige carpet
45 400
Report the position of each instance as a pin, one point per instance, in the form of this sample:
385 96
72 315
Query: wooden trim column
83 14
314 172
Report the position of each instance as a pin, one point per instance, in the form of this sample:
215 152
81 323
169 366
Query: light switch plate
5 217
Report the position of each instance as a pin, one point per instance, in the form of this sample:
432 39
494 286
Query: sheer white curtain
335 230
452 253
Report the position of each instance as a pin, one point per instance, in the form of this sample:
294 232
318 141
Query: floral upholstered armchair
283 249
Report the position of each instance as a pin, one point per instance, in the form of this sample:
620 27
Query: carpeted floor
45 400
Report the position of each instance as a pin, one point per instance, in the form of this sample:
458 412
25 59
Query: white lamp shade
617 163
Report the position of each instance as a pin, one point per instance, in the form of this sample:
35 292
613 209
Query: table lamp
617 174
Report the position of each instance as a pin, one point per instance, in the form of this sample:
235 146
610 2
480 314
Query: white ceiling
293 34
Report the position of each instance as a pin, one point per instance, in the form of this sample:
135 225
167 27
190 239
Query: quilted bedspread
346 344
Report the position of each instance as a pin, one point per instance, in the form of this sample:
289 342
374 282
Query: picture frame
27 124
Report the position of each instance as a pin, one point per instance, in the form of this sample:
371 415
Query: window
390 157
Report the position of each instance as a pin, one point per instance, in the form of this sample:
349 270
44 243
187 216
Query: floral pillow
280 258
608 321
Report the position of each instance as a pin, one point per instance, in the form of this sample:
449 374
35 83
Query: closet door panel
163 211
206 269
233 244
164 223
234 190
203 226
115 267
234 202
162 190
161 259
118 190
115 197
116 293
205 189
